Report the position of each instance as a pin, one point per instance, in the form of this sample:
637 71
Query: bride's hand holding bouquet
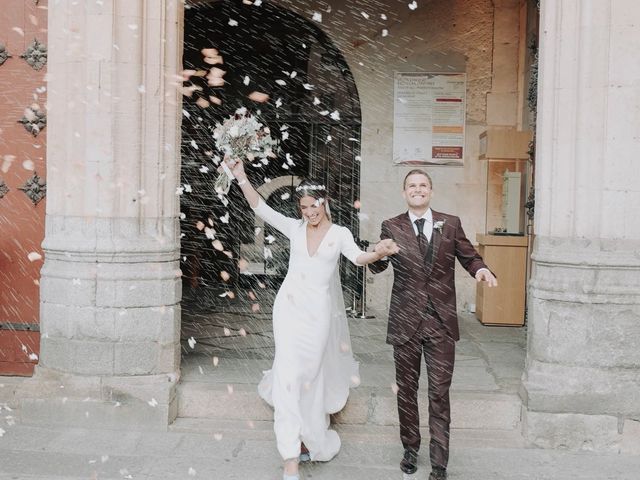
242 137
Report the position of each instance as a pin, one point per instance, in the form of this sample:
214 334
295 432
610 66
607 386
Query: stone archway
276 51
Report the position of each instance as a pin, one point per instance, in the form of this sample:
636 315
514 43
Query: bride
313 366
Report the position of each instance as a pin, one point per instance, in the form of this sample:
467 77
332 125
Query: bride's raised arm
247 189
259 206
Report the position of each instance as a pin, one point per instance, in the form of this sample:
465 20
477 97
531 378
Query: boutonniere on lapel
438 225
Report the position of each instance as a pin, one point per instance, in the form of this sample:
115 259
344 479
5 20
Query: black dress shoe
438 473
409 463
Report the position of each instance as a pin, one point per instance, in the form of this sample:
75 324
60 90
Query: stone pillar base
55 399
581 381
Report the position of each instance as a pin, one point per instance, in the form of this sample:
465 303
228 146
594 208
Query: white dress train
314 365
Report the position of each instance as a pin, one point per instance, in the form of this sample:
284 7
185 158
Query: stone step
371 435
366 406
8 388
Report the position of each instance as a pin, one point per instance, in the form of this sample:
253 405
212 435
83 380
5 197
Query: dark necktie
422 240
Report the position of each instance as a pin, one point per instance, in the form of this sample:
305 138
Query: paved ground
236 452
489 363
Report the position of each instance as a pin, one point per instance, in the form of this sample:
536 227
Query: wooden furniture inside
506 256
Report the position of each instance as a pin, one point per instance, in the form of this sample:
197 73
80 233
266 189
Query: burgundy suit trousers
434 342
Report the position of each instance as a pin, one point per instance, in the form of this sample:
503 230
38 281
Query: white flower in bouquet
242 137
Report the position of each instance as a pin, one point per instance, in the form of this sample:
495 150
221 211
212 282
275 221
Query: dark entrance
313 109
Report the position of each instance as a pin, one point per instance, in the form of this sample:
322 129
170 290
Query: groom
422 314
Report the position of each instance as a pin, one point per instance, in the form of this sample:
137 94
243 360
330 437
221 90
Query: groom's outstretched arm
466 253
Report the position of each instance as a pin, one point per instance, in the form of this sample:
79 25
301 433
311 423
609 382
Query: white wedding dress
314 365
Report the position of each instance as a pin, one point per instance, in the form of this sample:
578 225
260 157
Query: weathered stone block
85 357
168 358
239 402
143 388
358 409
133 402
91 357
565 388
55 319
139 358
630 444
55 353
95 414
586 334
67 284
92 324
572 431
501 108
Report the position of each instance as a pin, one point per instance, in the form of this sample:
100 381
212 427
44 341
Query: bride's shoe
304 457
304 454
295 476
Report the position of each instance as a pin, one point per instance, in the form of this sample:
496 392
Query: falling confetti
33 256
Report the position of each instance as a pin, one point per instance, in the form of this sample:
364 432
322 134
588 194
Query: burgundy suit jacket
416 278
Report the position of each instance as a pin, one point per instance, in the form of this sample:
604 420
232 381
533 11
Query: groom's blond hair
416 171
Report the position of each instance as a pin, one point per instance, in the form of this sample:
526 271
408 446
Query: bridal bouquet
242 137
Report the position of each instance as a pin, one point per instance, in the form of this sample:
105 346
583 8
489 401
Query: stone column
110 287
582 378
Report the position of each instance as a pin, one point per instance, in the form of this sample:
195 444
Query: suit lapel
436 235
434 244
411 239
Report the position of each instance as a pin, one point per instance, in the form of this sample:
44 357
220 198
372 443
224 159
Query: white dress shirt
428 223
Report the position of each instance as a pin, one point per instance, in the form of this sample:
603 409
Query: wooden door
23 41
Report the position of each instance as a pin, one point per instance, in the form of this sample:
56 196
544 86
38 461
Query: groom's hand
386 247
484 275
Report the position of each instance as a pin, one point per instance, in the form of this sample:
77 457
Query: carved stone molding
35 188
3 54
36 55
3 188
34 120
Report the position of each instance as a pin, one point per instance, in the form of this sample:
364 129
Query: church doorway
232 263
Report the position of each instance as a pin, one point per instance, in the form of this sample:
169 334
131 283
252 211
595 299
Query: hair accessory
310 187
